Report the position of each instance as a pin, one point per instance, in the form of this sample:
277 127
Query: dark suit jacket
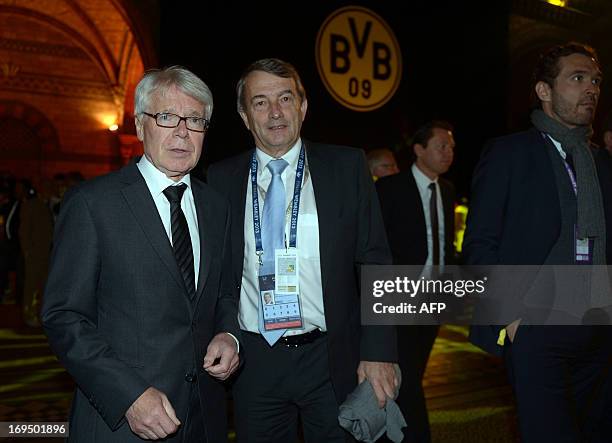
116 310
351 233
515 216
404 218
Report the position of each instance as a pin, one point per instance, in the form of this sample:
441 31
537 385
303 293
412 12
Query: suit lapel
418 214
238 193
447 202
328 204
205 219
139 199
448 205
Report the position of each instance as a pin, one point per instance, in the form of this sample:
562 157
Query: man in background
381 163
543 197
418 211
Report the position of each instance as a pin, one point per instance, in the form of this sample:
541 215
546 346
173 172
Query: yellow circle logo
358 58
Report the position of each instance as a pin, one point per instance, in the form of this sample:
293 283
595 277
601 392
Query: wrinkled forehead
265 83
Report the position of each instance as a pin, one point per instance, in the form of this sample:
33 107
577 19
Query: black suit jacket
351 233
116 310
514 216
404 218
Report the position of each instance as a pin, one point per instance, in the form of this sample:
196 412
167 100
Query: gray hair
160 80
272 66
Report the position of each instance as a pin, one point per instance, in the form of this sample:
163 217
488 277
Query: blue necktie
272 233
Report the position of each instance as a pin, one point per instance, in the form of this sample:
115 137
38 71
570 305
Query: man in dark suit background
538 198
307 372
420 232
137 305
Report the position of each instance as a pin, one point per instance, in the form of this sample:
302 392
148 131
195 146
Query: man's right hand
151 416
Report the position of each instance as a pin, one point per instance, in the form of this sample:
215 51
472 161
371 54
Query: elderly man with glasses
137 306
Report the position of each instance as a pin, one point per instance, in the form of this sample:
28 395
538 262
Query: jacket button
189 377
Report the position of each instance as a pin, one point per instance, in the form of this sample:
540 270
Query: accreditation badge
279 293
287 271
584 250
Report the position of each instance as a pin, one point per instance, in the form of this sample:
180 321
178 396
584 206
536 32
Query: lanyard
295 206
571 176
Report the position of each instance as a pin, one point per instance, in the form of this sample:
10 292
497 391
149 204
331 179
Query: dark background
454 67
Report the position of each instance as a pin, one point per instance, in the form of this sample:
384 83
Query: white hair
160 80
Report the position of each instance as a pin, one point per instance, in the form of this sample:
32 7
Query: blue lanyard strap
571 176
256 219
295 206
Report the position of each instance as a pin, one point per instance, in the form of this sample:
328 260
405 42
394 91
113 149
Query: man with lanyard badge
320 220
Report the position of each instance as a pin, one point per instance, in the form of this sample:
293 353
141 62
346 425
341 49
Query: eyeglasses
168 120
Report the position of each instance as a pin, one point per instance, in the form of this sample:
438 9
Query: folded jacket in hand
361 416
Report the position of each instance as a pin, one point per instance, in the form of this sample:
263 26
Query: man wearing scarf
541 197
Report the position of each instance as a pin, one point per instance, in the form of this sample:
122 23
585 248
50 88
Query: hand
382 377
151 416
224 349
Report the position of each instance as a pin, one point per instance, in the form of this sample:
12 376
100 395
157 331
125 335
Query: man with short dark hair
304 217
541 197
418 211
138 304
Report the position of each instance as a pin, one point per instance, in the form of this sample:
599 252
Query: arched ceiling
75 47
537 24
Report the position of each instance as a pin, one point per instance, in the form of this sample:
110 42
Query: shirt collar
291 156
421 179
157 180
558 146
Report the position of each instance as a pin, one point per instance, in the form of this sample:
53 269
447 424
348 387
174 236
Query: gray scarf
575 141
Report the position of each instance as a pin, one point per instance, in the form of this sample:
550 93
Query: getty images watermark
486 295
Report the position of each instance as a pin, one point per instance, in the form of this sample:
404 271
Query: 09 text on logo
358 58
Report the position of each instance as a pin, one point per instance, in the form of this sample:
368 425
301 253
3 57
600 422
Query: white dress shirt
558 146
157 182
311 292
423 183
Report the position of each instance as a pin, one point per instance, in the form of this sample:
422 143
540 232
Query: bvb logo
358 58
